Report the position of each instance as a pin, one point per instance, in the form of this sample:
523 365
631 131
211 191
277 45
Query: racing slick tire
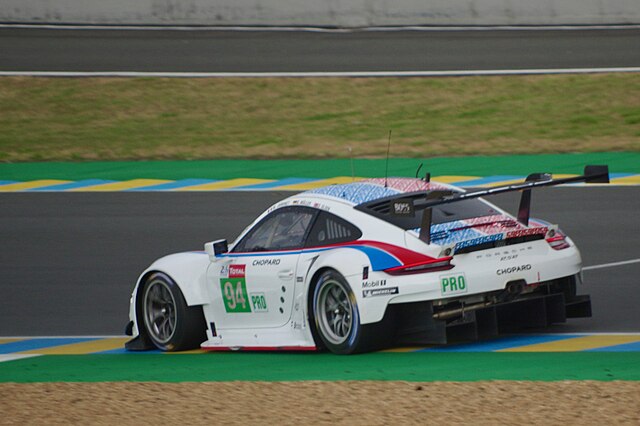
169 323
337 319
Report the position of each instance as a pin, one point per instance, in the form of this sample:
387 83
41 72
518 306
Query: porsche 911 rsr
360 266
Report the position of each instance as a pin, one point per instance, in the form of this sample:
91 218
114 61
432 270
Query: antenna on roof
427 176
353 170
386 171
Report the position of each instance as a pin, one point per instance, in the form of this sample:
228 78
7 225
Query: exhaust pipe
515 288
512 290
460 311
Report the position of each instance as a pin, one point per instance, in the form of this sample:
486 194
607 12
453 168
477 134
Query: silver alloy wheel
335 311
159 311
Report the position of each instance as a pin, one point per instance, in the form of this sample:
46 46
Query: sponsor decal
529 231
375 283
508 257
309 203
477 241
234 290
365 273
402 208
259 302
237 271
266 262
453 284
277 206
504 255
380 292
224 271
512 269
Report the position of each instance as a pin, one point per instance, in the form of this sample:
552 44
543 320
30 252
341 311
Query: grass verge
46 119
522 165
411 367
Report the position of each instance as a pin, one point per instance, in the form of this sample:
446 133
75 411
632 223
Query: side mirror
216 248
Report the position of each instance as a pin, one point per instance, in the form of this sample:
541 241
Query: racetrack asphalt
272 51
70 260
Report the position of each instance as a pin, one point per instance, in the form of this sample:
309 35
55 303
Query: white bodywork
274 312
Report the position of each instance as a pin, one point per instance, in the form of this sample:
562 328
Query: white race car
360 266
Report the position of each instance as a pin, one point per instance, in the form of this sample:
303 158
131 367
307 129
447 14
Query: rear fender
351 265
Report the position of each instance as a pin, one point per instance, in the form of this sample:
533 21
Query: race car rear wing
414 202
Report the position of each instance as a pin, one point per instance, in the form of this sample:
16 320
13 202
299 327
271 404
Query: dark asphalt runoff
69 261
268 51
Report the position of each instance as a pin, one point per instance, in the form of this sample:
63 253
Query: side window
283 229
330 229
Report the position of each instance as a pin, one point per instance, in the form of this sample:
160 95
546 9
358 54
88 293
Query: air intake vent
381 208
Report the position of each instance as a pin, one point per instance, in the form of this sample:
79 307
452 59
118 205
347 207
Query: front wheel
337 319
169 323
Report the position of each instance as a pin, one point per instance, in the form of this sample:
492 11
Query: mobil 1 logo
452 284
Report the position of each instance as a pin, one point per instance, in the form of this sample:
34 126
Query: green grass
421 367
129 119
518 165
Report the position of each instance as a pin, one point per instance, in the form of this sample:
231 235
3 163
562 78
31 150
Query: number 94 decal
234 295
234 288
233 285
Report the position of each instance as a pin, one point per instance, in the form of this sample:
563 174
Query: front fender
188 270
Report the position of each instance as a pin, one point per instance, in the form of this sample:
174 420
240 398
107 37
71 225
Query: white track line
611 265
114 336
14 357
362 74
312 29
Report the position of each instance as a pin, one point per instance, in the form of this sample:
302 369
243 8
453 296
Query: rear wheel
337 318
170 324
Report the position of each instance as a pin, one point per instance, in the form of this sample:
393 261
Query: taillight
557 240
432 265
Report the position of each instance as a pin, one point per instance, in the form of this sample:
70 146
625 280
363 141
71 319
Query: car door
255 283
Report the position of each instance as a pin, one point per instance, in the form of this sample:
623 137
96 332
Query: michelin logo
380 292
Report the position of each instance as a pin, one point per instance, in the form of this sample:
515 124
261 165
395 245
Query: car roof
366 190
